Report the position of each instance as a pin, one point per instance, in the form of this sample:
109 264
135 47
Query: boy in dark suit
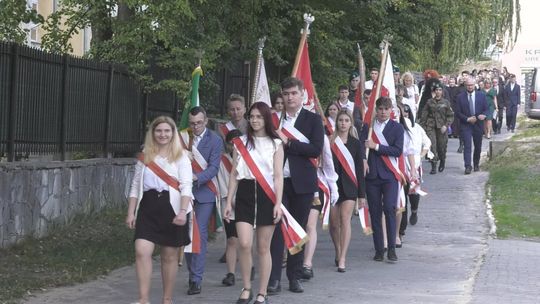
382 184
300 178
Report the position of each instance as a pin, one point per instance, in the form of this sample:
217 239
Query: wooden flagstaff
362 83
384 45
257 70
308 19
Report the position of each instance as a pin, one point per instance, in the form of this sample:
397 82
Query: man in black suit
513 100
501 104
300 178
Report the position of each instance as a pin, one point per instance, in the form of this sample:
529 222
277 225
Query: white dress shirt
289 120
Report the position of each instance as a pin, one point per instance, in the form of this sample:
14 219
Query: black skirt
154 221
244 209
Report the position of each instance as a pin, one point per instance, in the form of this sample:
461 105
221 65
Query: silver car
533 103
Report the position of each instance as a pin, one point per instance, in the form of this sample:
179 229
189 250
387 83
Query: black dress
346 188
154 221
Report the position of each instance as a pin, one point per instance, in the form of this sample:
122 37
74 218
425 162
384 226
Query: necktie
471 104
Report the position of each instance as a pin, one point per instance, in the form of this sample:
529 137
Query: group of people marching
273 175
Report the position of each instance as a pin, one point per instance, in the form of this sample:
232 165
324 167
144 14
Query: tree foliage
12 14
142 34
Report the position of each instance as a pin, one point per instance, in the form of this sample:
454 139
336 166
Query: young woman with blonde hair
159 199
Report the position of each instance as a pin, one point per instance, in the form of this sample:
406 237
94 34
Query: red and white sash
363 214
275 120
174 187
226 128
325 188
293 234
198 164
345 159
394 164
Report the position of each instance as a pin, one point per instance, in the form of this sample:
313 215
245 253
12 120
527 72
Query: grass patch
90 246
515 188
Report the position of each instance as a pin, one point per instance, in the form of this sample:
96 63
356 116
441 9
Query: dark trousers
511 113
472 135
414 200
498 121
299 206
382 197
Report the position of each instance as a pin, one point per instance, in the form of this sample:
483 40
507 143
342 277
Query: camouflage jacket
436 114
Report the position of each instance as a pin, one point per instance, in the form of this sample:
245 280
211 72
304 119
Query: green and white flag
194 97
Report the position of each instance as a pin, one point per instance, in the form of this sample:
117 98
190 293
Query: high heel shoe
245 301
341 269
264 301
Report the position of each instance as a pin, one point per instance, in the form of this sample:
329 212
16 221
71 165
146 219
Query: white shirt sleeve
136 182
185 175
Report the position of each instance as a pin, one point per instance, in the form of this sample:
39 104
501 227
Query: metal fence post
108 104
13 102
63 108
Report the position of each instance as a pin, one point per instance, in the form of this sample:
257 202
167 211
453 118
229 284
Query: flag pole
361 85
384 57
257 70
308 19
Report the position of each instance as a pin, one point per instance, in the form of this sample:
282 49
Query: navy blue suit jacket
394 134
463 110
303 173
211 148
512 96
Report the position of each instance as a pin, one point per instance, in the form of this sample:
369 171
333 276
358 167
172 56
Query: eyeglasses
196 123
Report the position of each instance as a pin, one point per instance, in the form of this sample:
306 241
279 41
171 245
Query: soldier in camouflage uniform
435 118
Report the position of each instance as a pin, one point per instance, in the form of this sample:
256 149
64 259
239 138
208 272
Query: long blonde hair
151 149
352 129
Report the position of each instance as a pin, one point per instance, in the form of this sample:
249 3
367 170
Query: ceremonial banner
304 73
262 91
194 97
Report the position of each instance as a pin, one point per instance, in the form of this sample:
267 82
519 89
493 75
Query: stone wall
35 195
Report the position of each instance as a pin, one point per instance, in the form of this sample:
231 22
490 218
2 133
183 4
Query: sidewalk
446 258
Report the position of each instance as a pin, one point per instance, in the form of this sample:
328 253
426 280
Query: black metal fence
56 104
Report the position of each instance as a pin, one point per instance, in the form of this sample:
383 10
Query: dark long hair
264 109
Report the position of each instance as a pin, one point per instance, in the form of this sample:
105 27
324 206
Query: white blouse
266 148
144 179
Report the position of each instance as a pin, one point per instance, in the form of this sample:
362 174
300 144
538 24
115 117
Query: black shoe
460 149
245 301
194 288
468 170
264 301
296 286
342 270
476 168
512 131
307 273
441 165
392 254
414 218
229 279
379 256
223 259
274 287
433 167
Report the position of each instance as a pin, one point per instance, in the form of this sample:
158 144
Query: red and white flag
304 73
388 89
